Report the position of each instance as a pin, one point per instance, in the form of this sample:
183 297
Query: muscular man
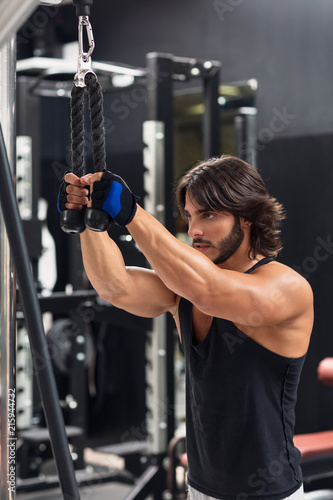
244 319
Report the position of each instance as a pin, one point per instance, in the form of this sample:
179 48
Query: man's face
216 235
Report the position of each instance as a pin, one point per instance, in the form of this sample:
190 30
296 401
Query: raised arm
269 296
136 290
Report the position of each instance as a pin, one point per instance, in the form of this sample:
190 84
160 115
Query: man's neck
240 261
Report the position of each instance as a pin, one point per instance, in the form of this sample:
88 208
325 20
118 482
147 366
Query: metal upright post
156 350
245 131
160 109
7 309
13 14
211 119
240 131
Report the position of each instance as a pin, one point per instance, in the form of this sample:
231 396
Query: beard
229 244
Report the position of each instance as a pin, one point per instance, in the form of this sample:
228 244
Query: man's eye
209 216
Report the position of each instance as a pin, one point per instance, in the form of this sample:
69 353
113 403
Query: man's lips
201 246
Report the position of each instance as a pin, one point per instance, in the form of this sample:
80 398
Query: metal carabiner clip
84 62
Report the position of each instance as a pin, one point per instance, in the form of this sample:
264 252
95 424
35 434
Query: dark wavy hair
230 184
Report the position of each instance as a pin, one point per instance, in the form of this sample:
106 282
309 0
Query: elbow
105 295
204 299
116 292
117 300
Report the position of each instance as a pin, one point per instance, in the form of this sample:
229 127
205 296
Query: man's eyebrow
199 211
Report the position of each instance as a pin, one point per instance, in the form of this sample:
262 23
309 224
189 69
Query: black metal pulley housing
82 7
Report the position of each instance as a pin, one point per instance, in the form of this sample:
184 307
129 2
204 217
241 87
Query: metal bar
160 68
7 310
39 349
38 64
211 119
156 366
13 15
240 132
251 138
145 484
28 132
245 129
160 108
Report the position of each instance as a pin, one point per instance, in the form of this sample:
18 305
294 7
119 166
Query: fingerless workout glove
62 197
112 195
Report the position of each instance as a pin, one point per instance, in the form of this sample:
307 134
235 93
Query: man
244 319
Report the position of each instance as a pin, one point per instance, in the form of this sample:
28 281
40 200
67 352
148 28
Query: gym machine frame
161 71
13 15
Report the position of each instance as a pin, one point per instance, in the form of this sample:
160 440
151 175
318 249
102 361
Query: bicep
148 296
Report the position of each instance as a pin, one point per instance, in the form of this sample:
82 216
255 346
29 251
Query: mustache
200 241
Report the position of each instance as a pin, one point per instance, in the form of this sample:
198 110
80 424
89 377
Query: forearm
136 290
104 265
181 268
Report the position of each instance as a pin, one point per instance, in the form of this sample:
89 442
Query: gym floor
99 479
116 491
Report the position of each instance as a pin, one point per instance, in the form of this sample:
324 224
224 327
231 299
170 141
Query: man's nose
194 229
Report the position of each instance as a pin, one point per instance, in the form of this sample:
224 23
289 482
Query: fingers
82 192
78 189
77 196
89 179
85 180
73 179
76 202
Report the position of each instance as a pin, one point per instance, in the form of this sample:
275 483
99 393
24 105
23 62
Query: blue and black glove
62 197
112 195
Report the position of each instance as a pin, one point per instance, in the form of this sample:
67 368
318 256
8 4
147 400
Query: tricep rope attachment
85 81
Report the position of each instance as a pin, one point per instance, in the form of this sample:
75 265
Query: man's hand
73 194
111 194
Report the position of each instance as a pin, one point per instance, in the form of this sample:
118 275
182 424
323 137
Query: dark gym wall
299 170
287 47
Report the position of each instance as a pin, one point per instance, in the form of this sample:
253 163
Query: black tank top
240 413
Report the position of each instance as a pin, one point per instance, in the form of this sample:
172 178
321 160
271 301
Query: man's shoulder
292 296
286 278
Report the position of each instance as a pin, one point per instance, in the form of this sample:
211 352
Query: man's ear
245 223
